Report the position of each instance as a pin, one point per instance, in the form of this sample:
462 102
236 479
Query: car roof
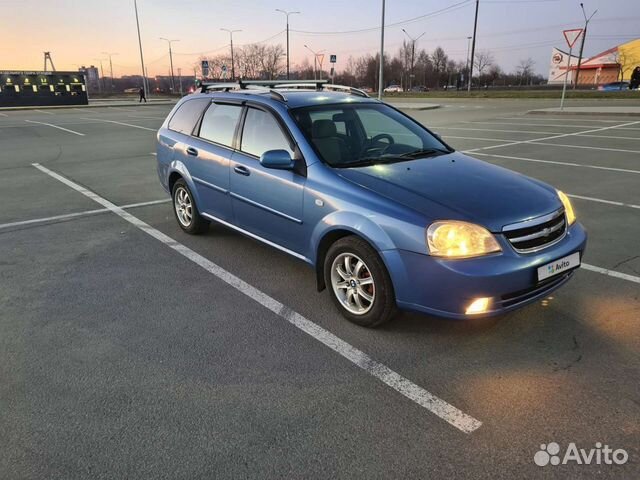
293 98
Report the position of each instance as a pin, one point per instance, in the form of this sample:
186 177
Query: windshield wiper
425 152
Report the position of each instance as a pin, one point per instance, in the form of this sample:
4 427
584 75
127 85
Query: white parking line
538 132
44 111
121 123
600 200
587 147
417 394
3 114
553 119
553 162
147 118
78 214
563 135
547 125
611 273
483 139
56 126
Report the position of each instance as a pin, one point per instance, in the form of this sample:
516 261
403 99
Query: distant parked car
419 88
366 89
393 89
614 87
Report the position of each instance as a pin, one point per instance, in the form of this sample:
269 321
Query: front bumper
445 288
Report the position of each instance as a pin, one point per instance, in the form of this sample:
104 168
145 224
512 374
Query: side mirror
278 159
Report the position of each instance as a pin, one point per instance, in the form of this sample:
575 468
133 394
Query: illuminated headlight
568 208
455 239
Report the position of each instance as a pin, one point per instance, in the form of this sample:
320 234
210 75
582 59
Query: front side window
187 115
262 133
365 134
219 123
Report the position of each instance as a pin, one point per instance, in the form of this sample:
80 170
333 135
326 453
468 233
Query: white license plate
558 266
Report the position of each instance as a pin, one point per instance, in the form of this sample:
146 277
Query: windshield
364 134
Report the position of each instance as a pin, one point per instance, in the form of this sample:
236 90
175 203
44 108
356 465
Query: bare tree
483 59
439 59
525 70
271 61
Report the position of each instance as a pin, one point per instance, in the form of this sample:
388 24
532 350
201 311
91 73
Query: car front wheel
359 283
185 209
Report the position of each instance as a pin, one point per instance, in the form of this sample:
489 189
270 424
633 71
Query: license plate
558 266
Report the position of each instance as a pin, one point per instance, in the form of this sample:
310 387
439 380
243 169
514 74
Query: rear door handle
242 170
192 151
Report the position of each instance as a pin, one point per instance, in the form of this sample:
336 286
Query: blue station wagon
389 216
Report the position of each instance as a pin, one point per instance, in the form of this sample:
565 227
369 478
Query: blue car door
210 152
266 202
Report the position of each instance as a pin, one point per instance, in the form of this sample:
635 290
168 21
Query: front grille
538 233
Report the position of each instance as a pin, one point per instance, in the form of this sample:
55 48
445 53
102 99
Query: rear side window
262 133
219 123
187 115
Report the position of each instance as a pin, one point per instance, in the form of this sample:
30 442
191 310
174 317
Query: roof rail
273 85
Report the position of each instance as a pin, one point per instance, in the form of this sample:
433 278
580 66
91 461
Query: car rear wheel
185 209
360 285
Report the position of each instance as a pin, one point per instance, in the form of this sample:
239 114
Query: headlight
568 208
455 239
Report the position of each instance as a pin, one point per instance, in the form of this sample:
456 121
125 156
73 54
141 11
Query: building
92 78
615 64
558 66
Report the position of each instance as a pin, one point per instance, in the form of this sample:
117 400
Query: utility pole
110 68
413 54
233 68
380 75
144 78
47 56
180 80
473 46
173 81
287 14
584 35
468 50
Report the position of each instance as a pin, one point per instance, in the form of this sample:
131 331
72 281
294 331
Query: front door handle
242 170
192 151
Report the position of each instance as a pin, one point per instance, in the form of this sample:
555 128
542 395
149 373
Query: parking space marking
44 111
478 138
122 123
600 200
611 273
550 125
553 162
84 213
563 135
535 142
3 114
538 132
553 119
147 118
410 390
56 126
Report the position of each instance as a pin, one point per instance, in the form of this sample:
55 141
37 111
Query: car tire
359 283
186 210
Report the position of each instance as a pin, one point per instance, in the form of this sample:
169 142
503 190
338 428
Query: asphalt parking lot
129 349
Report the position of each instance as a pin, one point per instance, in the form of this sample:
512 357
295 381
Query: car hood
458 187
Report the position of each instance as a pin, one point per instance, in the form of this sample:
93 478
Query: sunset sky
77 32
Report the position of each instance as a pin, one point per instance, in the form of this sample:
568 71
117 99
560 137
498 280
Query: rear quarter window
187 115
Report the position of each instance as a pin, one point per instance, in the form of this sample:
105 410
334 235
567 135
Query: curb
414 106
61 107
584 113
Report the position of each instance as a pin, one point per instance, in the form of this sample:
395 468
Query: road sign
205 68
333 58
224 71
571 36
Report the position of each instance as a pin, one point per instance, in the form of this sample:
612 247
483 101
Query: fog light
479 305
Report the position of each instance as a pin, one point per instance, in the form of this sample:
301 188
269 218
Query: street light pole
110 68
287 14
101 80
145 86
473 46
315 62
173 82
413 53
233 68
584 35
381 73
